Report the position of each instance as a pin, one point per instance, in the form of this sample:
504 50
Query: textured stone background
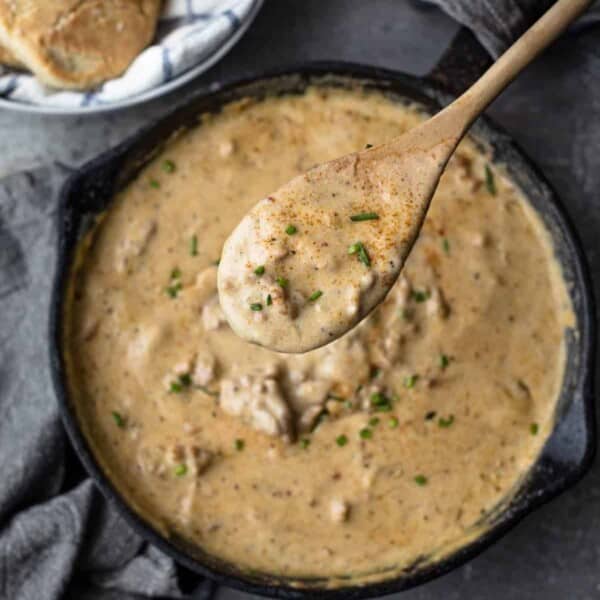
553 111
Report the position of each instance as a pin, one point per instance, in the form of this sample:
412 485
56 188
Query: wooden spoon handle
473 102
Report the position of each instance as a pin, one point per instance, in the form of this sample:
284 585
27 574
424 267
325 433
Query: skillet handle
462 63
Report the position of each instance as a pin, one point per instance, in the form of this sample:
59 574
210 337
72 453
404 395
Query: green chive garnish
176 273
168 166
304 443
444 361
282 282
534 428
118 419
291 229
256 306
269 300
374 421
393 422
420 296
348 404
341 440
490 182
420 480
194 246
446 246
359 249
154 184
315 295
366 216
365 433
180 470
239 444
174 289
409 382
176 387
259 270
446 422
379 399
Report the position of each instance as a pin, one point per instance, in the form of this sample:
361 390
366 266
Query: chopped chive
420 295
194 246
239 444
446 422
365 433
341 440
348 404
444 361
260 270
118 419
304 443
185 380
154 184
367 146
534 428
430 415
446 246
168 166
366 216
315 295
269 300
393 422
420 480
173 290
363 256
374 421
180 470
490 182
217 262
379 399
256 306
176 387
282 282
291 229
409 382
176 273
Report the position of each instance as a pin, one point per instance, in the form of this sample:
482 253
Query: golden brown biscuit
6 58
77 44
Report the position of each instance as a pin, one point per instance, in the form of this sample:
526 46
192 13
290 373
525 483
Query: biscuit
77 44
6 58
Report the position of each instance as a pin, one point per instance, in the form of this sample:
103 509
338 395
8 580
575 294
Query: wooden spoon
307 263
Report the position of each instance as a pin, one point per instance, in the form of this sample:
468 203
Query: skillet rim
584 391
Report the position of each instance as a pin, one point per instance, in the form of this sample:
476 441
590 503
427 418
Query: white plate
156 92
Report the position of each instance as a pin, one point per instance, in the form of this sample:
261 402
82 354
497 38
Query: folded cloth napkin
59 538
189 33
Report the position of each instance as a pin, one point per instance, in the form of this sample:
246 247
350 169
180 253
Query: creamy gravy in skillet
360 457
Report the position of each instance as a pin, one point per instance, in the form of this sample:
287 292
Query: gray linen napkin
58 536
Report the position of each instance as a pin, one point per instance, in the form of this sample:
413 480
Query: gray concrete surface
554 553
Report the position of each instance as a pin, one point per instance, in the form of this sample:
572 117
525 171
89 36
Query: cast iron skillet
569 450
